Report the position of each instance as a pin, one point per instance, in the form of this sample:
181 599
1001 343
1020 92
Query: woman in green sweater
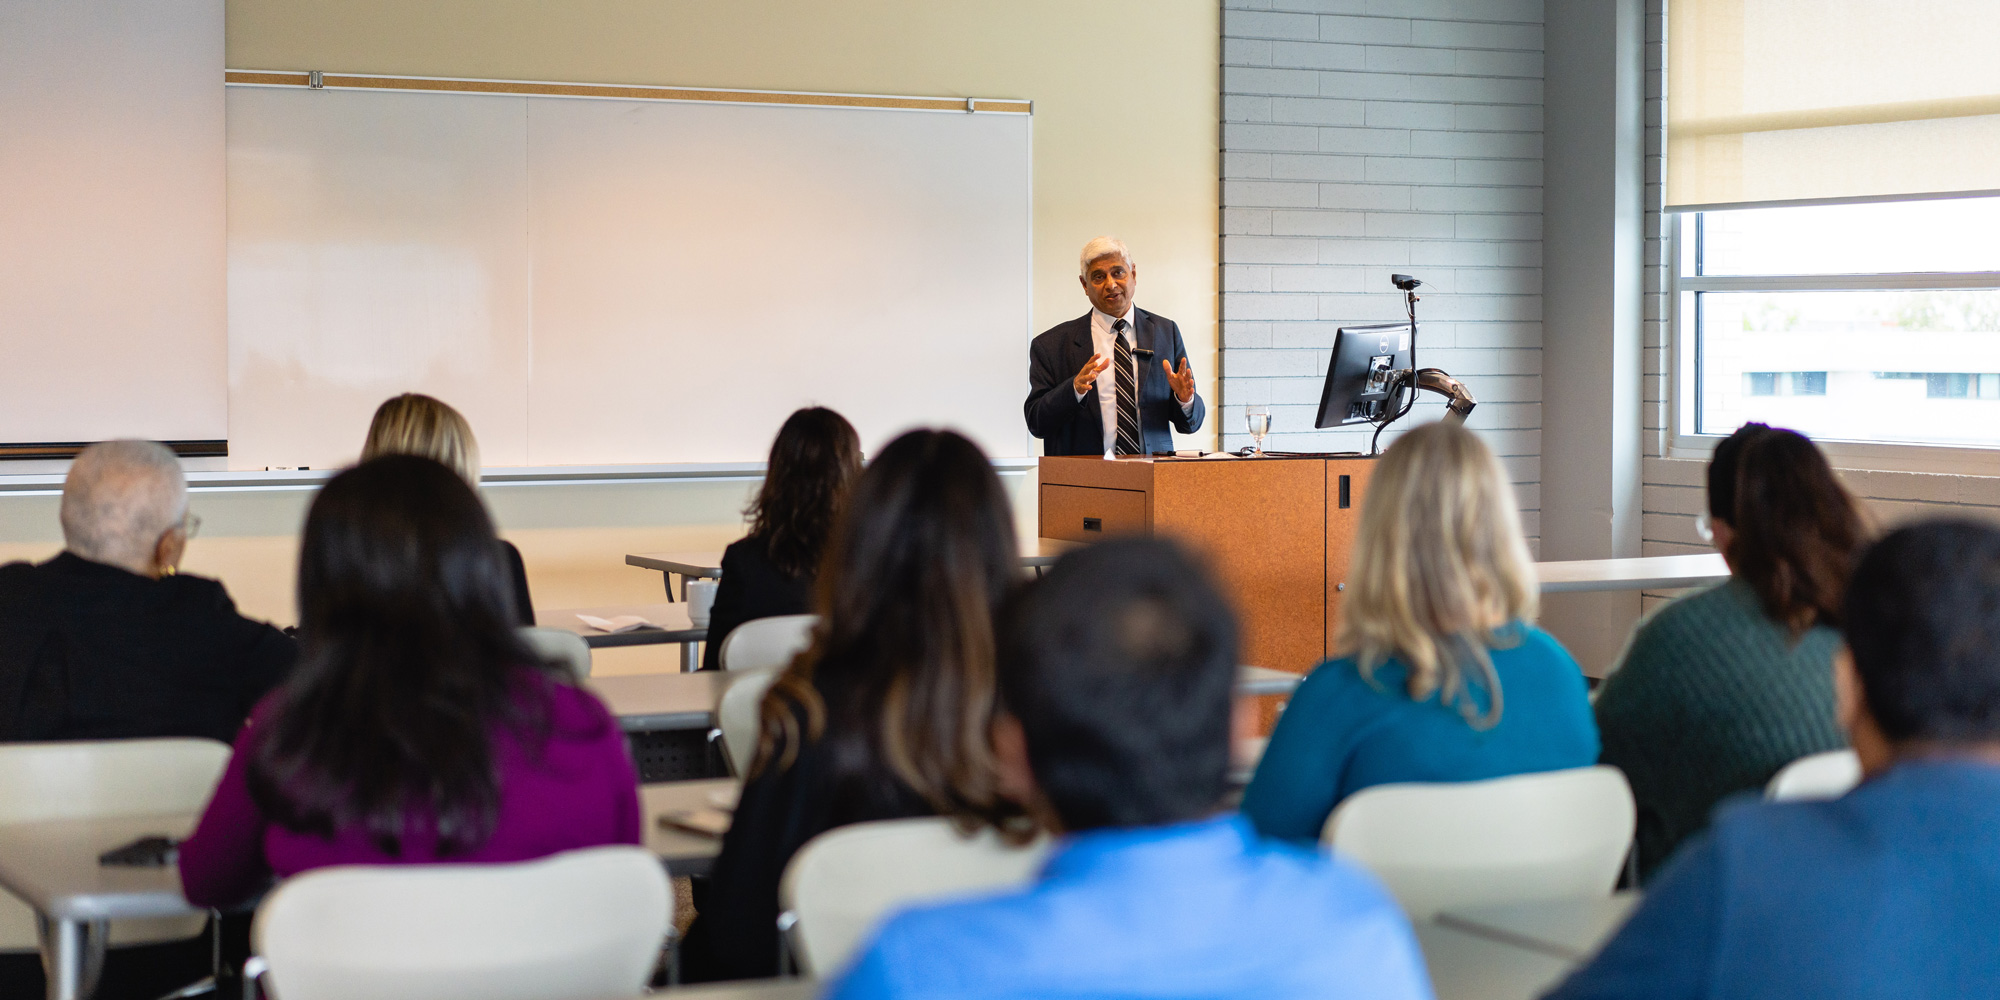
1723 687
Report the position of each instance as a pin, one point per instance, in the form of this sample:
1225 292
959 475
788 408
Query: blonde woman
416 424
1444 678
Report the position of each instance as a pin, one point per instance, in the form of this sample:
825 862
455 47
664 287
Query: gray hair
1103 246
119 498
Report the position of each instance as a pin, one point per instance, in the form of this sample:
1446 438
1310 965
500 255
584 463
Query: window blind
1797 101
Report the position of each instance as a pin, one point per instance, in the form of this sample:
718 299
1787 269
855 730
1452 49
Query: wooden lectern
1276 530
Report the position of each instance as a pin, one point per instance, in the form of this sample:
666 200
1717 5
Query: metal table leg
690 657
72 955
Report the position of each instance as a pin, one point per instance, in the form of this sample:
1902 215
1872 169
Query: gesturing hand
1182 381
1087 375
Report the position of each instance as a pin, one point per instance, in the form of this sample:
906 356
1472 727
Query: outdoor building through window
1866 322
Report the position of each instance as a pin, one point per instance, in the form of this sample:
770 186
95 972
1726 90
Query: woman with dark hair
770 571
417 728
1721 688
887 714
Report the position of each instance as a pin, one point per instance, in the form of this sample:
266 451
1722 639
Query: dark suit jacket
1068 426
517 571
751 588
89 651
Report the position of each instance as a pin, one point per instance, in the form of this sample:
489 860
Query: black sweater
751 588
90 651
834 782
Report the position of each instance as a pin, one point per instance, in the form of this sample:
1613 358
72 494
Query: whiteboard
610 282
111 220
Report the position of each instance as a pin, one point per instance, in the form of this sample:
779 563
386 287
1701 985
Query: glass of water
1259 418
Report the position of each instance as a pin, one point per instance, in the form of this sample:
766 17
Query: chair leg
254 968
788 966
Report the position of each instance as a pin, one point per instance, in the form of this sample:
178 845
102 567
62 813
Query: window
1863 322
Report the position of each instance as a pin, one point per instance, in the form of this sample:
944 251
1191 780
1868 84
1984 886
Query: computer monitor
1357 378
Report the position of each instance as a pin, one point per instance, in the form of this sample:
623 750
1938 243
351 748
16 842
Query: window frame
1683 348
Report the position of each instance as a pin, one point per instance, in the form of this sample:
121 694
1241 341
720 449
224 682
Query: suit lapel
1144 332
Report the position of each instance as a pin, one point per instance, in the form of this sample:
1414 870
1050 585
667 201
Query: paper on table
620 623
1221 454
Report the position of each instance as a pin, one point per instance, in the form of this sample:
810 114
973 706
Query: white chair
87 779
1525 838
558 645
583 924
845 881
766 642
1828 775
739 715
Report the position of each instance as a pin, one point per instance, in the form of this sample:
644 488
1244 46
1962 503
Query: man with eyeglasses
107 640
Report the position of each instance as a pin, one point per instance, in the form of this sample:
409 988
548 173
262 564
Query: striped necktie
1129 441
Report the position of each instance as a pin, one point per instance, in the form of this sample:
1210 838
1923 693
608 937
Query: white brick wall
1365 137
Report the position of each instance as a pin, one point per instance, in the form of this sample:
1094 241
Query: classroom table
672 619
658 702
1466 966
662 701
682 851
52 866
706 564
1645 573
1570 929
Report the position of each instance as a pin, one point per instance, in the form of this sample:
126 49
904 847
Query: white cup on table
700 601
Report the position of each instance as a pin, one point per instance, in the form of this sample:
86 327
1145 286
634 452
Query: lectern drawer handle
1093 524
1340 587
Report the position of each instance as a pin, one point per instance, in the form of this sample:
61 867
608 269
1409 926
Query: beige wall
1127 105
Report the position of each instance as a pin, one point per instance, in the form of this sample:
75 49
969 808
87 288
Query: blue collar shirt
1200 909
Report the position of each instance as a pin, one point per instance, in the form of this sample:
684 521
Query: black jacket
517 572
751 588
834 782
1069 426
90 651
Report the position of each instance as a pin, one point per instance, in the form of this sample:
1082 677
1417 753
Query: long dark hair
1796 529
815 457
409 659
900 673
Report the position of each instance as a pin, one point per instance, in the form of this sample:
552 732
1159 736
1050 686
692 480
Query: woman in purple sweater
417 728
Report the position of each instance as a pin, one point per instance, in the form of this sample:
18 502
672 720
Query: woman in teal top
1446 680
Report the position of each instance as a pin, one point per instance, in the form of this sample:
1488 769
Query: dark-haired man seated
1117 678
1894 889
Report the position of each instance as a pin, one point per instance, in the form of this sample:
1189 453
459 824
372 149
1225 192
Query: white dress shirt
1107 380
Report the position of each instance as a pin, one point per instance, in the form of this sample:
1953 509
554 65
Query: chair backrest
559 645
1554 835
87 779
845 881
738 716
584 924
766 642
1828 775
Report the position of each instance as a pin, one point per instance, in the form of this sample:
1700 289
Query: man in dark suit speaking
1111 382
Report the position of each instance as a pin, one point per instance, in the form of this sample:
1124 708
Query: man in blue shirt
1894 889
1117 674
